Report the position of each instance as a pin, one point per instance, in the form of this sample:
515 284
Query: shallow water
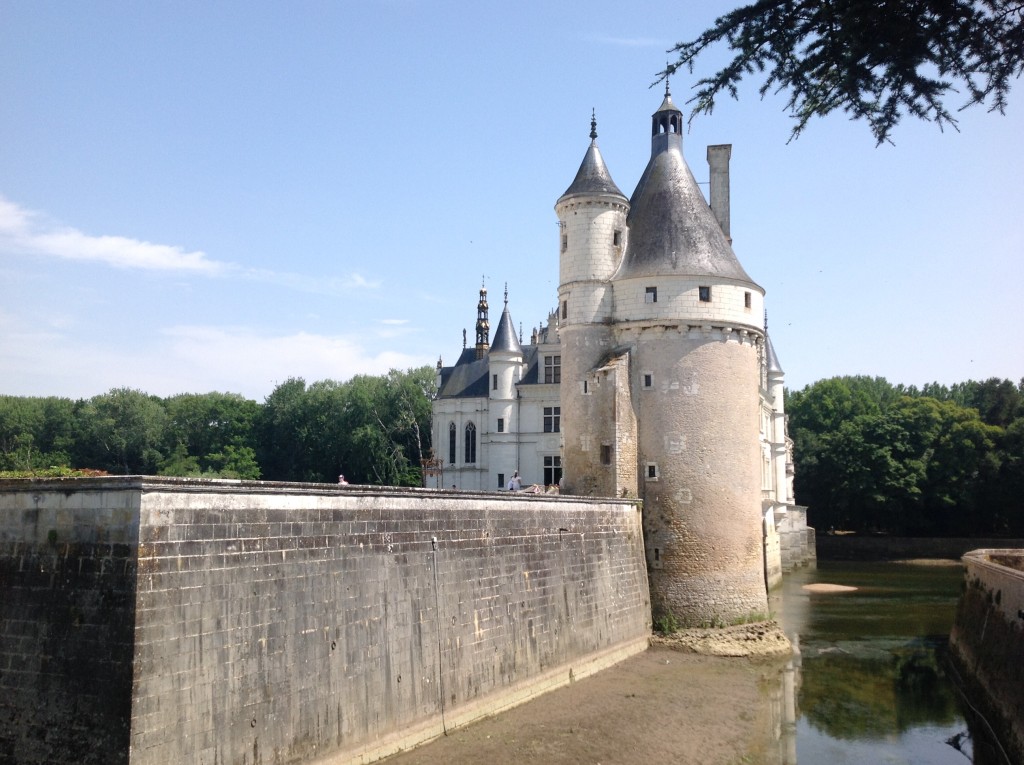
870 679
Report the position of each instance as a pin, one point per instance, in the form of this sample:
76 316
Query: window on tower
704 294
606 454
746 300
651 296
501 425
565 309
494 382
648 380
617 238
552 369
552 419
652 471
565 242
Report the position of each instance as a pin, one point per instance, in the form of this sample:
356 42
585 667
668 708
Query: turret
592 238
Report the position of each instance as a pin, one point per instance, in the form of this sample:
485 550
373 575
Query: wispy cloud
31 233
28 232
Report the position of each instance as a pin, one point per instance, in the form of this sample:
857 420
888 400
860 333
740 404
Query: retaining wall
855 547
170 620
988 641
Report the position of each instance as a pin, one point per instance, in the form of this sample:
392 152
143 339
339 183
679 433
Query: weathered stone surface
263 623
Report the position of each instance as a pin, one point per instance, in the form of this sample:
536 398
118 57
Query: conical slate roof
672 230
593 177
505 339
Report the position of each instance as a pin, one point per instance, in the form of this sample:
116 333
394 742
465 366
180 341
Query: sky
201 197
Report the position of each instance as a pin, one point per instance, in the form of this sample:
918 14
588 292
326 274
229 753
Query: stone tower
661 356
592 238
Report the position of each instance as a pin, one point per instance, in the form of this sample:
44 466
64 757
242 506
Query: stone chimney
718 161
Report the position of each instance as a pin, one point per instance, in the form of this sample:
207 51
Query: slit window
617 238
565 309
565 242
501 424
648 380
746 300
606 454
494 382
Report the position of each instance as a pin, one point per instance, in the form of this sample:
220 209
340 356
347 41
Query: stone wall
988 642
67 616
850 547
271 623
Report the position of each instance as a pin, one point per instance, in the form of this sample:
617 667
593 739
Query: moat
870 684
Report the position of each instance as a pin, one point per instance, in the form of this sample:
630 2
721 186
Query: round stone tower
592 238
661 375
691 316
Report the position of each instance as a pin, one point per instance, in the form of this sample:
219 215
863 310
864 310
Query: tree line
374 429
870 456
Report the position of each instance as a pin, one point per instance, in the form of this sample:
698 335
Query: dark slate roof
468 378
672 230
531 357
505 335
772 359
593 177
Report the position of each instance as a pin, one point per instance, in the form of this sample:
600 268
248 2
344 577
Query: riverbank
668 704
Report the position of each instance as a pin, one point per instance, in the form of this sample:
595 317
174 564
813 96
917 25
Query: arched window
470 455
451 443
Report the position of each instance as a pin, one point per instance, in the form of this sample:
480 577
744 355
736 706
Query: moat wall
851 547
988 641
170 620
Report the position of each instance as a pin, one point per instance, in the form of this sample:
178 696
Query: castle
654 378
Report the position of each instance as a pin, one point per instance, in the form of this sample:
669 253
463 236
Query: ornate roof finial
520 333
463 338
506 294
593 125
766 321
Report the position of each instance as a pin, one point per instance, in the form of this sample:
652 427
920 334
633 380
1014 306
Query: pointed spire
483 326
593 177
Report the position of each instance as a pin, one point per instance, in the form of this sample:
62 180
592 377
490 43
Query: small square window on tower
648 380
652 471
651 295
705 294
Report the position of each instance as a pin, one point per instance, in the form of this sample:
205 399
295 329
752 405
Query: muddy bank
668 704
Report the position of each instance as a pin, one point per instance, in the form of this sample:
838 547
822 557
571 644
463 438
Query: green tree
875 60
121 431
210 434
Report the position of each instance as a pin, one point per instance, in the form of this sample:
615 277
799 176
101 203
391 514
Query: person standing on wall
515 483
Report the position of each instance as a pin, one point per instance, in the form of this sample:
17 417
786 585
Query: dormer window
651 295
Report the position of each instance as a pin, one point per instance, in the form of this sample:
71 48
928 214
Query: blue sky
219 196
